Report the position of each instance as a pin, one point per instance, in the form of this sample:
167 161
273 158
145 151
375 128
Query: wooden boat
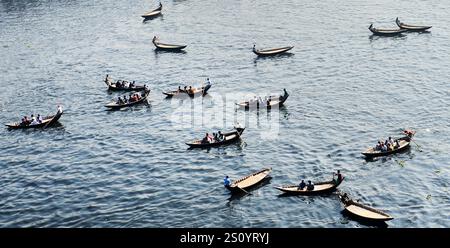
268 102
404 143
112 86
249 181
272 51
115 105
46 122
229 138
362 211
167 47
385 31
194 92
153 13
319 188
411 27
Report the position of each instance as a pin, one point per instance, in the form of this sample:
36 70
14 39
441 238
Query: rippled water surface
131 168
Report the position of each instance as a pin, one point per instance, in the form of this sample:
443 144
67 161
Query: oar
245 191
418 146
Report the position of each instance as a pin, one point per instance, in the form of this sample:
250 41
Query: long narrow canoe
385 31
271 51
269 102
153 13
319 188
404 143
230 137
115 105
364 212
46 122
167 47
194 92
112 86
411 27
249 181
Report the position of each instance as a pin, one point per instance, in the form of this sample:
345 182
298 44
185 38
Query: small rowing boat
117 86
403 144
153 13
46 122
271 51
268 102
411 27
228 138
249 181
167 47
319 188
386 31
117 105
362 211
189 92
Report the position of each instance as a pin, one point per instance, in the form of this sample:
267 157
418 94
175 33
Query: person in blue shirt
226 181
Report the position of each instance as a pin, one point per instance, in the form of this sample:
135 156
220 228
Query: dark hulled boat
191 93
229 137
167 47
46 122
268 102
271 51
319 188
404 143
411 27
154 13
386 31
113 86
116 105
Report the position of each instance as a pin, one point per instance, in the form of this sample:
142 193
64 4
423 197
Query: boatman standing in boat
226 181
339 176
60 110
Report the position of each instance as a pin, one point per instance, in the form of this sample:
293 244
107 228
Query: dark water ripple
131 168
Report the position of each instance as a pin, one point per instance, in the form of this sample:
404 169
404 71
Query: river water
131 168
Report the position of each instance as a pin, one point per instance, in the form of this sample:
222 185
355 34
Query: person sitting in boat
207 81
339 176
25 121
34 121
179 89
378 146
125 100
132 85
185 88
220 136
107 77
383 147
191 91
397 144
310 185
205 140
302 185
60 109
226 181
39 118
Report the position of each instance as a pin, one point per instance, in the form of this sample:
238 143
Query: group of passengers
132 98
31 121
121 84
387 145
190 89
215 137
310 185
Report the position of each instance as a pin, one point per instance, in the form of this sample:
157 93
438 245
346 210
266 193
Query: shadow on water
239 195
162 51
273 57
396 37
147 19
